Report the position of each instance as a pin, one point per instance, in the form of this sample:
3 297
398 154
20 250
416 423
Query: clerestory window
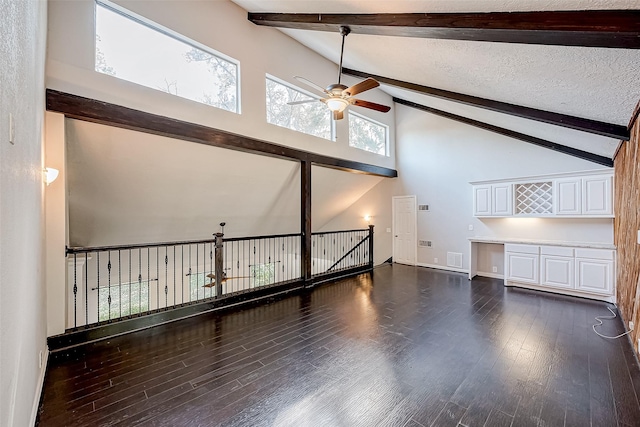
368 135
134 49
313 118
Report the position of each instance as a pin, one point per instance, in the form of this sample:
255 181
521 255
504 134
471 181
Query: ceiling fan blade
311 84
370 105
338 115
361 87
306 101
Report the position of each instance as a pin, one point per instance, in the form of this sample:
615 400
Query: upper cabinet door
502 204
597 195
568 196
481 200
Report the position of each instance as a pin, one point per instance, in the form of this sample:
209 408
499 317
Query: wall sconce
367 218
50 175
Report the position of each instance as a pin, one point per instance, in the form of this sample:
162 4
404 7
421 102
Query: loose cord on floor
600 322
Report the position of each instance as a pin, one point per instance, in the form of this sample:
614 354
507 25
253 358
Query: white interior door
404 230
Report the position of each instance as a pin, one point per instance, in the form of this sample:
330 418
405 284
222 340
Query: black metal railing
341 250
111 283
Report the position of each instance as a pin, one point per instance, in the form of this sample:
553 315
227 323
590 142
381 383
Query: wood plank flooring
406 347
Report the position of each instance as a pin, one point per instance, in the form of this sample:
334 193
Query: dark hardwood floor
408 347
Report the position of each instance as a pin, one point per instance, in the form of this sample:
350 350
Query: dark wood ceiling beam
592 28
512 134
577 123
91 110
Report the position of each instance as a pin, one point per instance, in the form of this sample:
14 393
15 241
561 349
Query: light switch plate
470 227
388 230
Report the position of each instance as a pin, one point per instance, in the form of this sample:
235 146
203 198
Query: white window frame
375 122
126 13
307 93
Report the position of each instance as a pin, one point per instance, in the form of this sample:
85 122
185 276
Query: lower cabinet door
522 267
595 276
557 272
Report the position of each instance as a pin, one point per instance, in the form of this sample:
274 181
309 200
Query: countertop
589 245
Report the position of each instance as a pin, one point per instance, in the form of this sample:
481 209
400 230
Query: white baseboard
39 387
442 267
490 275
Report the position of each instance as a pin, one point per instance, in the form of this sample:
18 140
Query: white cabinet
522 263
492 200
586 196
502 200
568 196
597 195
482 200
574 271
579 194
594 271
557 267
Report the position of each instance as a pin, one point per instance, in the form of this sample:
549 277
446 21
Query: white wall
437 158
22 290
223 26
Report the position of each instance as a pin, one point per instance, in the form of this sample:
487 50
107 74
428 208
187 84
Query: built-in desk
571 268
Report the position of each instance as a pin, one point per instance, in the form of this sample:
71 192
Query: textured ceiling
595 83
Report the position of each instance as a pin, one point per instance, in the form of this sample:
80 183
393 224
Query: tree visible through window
126 299
313 118
155 57
367 135
263 274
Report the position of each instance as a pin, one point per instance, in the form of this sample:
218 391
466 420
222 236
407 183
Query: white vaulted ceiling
595 83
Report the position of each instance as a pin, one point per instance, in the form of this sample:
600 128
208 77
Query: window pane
135 52
313 118
367 134
126 299
263 274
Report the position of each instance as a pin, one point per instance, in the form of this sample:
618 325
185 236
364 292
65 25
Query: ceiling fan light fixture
337 104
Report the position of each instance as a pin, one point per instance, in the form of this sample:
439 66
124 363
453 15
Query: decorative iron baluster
140 281
158 278
130 286
75 291
119 285
109 285
98 284
86 288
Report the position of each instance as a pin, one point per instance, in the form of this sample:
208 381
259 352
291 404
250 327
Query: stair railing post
219 264
371 246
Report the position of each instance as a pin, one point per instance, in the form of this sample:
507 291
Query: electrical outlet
494 269
12 130
631 325
470 227
40 359
639 237
435 260
388 230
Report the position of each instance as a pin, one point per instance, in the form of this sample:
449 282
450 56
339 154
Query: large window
313 118
368 135
134 49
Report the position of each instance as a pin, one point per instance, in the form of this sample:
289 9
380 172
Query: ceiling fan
338 96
